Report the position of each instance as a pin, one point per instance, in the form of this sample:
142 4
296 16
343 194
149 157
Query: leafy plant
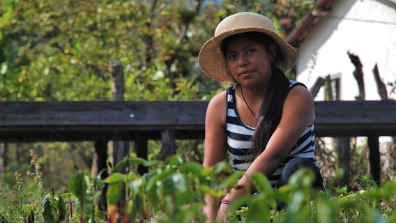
173 191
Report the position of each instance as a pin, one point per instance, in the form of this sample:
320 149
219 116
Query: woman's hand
221 214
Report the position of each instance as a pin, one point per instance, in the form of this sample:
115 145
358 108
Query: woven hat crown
244 20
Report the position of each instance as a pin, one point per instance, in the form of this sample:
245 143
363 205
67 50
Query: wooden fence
143 120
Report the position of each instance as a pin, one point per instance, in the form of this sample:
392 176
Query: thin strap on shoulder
295 83
229 98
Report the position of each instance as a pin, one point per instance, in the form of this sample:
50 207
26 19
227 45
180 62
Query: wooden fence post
374 156
381 87
343 143
168 143
1 156
99 164
141 151
344 157
358 74
372 138
316 87
120 149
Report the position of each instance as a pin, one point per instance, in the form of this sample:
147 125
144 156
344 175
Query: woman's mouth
246 73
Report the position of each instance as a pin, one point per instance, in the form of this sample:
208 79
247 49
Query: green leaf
258 212
67 195
231 180
109 164
261 183
192 167
157 178
208 171
100 173
115 177
219 167
77 185
174 184
48 209
113 193
138 160
240 201
326 212
61 208
30 218
120 164
174 160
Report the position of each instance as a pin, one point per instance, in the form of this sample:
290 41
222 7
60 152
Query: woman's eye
231 56
252 50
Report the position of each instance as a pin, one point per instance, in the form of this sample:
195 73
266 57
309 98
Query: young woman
263 120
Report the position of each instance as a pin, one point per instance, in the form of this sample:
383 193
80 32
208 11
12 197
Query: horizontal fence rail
117 120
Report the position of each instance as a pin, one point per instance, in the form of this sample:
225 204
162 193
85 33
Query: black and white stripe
239 135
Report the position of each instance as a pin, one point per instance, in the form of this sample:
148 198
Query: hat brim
213 63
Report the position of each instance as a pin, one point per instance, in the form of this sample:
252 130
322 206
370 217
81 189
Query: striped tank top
239 135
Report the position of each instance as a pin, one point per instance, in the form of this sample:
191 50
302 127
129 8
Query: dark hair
270 112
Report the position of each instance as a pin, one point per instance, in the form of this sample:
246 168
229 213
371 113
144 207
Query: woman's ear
272 52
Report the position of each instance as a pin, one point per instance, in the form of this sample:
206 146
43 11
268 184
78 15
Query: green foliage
60 50
48 209
173 190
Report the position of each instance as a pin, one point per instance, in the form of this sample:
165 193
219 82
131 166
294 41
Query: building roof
321 9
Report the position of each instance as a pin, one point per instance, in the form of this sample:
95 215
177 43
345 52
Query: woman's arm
215 144
298 114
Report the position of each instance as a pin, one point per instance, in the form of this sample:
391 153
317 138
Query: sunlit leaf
113 193
115 177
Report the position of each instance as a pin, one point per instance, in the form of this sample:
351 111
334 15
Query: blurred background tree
59 50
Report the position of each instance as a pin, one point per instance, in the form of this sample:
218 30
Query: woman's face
249 62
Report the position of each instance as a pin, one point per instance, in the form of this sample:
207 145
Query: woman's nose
243 60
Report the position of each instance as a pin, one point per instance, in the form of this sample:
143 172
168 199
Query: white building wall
332 38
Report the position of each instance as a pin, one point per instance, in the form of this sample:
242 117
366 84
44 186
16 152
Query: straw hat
211 59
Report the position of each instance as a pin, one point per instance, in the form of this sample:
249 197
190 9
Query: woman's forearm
210 208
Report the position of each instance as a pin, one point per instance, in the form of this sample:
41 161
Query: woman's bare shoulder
219 99
217 108
300 94
300 101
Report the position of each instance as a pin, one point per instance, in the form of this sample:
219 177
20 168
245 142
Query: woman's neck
253 93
